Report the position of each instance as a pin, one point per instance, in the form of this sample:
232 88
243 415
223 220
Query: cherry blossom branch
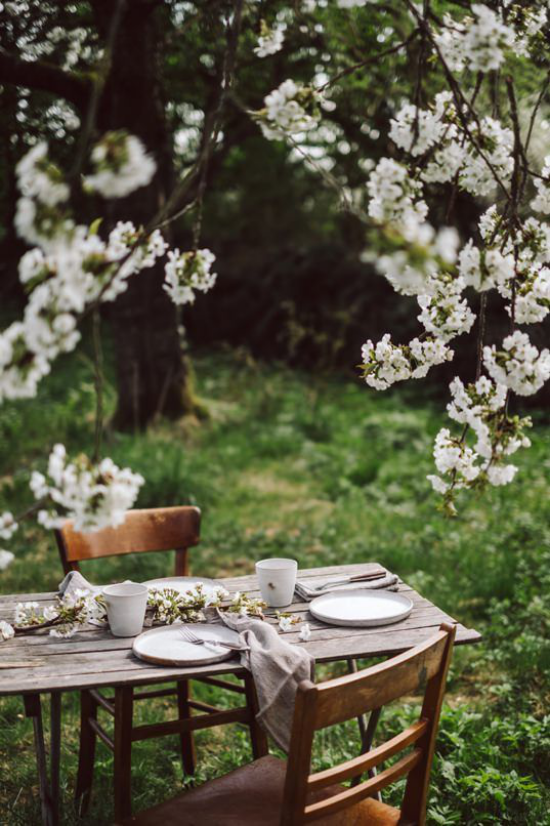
461 100
368 61
97 89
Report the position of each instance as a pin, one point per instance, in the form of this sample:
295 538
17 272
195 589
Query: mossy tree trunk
153 376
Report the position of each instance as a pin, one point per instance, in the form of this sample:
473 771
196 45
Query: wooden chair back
155 529
335 701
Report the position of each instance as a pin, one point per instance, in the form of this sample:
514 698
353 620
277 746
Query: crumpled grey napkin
277 668
307 593
74 581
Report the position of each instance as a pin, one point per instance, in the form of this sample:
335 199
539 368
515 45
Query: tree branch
36 74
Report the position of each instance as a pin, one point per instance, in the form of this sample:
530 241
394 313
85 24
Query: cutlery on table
347 579
190 636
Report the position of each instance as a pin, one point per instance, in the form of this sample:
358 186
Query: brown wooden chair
272 792
158 529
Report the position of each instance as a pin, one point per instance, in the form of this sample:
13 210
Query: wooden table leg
49 792
55 751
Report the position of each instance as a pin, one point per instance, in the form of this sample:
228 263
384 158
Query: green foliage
320 469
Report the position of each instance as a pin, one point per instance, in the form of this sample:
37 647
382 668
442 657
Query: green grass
321 469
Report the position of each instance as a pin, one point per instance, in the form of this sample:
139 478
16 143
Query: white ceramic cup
126 603
277 580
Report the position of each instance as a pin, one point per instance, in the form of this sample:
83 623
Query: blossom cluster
188 272
121 165
472 155
396 198
385 363
290 109
91 496
168 606
481 408
413 268
270 40
519 365
479 41
70 269
541 202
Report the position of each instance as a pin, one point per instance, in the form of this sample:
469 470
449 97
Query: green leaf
95 225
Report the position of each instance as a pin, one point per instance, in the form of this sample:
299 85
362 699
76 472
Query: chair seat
252 796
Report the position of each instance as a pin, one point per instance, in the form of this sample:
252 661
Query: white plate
166 645
361 607
182 583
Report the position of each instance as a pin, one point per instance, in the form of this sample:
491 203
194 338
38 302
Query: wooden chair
272 792
159 529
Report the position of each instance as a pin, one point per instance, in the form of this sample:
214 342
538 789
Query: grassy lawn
326 471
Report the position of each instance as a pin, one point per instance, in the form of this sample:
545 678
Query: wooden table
94 659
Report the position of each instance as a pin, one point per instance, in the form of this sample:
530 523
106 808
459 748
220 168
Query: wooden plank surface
94 658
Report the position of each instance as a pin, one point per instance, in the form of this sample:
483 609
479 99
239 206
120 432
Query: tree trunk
152 372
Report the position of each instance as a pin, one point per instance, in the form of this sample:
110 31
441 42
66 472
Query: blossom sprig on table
62 619
168 606
287 620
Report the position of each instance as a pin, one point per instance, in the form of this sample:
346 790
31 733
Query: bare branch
36 74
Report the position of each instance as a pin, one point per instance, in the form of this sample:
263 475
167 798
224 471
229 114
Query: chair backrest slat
333 702
155 529
346 697
359 765
355 794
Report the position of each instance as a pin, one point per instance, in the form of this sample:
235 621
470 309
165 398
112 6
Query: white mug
277 580
126 603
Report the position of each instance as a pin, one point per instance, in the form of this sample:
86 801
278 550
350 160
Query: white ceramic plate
166 645
361 607
182 583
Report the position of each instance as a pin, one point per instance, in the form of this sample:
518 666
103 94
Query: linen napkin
307 592
74 581
277 668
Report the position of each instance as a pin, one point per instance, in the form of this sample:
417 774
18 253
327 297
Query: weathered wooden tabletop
94 658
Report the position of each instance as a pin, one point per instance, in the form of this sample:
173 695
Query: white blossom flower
476 176
478 42
64 631
352 4
385 363
6 558
26 613
39 179
416 130
305 632
445 313
519 365
290 109
270 40
187 272
121 165
8 525
285 624
92 496
484 269
6 630
396 198
412 269
501 474
541 202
